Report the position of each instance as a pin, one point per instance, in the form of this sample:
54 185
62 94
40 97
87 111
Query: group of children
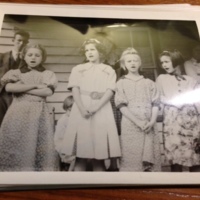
87 134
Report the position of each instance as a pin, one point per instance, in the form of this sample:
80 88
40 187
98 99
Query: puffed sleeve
112 80
120 97
50 80
75 77
155 95
11 76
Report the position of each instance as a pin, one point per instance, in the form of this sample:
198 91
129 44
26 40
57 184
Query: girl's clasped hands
144 125
87 113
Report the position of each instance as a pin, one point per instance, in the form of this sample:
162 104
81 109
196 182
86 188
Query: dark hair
176 58
37 46
23 33
99 46
68 100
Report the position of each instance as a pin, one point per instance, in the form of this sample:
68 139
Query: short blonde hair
128 51
36 46
68 102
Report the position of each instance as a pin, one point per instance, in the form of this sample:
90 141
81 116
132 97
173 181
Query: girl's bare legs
80 164
98 165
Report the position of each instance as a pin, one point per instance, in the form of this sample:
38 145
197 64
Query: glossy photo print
90 94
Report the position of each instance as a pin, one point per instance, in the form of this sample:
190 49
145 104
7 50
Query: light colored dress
61 129
26 134
180 124
139 95
95 137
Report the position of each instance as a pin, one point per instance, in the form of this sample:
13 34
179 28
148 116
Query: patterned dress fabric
139 95
181 123
26 134
117 115
95 137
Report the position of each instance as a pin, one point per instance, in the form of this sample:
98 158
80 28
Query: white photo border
100 178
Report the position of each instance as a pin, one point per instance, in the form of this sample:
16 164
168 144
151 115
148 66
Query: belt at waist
93 95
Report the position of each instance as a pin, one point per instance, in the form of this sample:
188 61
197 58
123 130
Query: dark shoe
64 166
110 169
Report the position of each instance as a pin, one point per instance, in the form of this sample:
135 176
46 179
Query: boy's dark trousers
5 101
7 63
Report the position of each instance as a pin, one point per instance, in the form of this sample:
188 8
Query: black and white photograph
90 94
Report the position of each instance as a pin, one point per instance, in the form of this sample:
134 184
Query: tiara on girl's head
91 40
165 52
94 40
129 50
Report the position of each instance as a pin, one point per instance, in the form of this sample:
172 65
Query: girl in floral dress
92 133
138 100
26 134
181 126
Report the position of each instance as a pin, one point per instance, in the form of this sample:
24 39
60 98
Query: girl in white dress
138 100
92 133
26 134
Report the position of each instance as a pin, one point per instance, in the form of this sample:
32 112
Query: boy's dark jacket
7 63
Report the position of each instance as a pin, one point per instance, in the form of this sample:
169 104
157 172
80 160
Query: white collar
101 67
134 79
15 54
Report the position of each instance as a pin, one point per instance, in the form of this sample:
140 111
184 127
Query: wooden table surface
125 193
106 2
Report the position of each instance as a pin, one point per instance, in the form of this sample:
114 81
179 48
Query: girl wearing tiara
138 100
26 134
92 133
181 128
